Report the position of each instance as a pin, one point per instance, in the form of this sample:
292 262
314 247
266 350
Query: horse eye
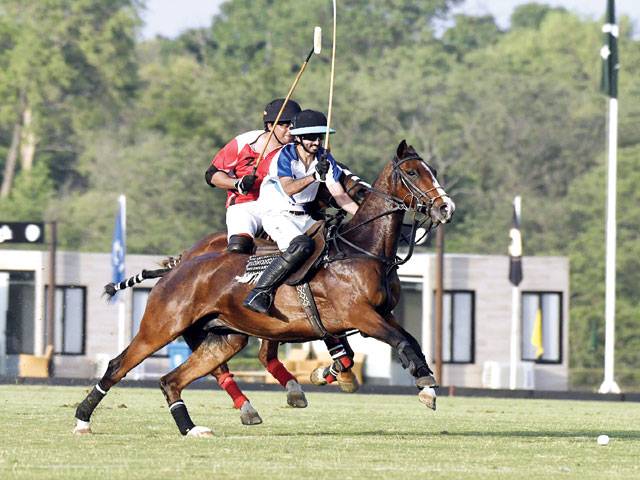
412 173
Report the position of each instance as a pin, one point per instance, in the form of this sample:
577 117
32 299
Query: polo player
294 177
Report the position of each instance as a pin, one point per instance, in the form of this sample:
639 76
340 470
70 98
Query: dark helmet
309 121
271 111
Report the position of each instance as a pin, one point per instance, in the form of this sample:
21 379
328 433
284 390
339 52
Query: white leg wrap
200 432
82 428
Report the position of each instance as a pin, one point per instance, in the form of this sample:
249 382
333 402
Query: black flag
515 248
609 53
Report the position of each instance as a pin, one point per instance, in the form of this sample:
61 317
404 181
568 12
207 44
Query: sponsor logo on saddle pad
255 266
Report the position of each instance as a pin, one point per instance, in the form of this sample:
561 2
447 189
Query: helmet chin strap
301 143
275 135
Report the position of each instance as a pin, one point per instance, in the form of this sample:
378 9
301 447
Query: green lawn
338 436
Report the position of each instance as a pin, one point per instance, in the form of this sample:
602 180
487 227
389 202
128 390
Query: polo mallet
327 142
317 47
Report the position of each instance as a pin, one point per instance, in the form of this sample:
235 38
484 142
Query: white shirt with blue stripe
287 164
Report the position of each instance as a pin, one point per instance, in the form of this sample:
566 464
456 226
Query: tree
470 33
531 15
68 66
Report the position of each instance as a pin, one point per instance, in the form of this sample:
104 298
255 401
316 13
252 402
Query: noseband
423 202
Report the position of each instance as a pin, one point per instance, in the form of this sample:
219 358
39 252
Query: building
477 322
477 317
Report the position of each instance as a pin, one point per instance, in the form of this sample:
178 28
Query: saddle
267 247
266 250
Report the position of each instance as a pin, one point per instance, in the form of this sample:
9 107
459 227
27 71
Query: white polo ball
603 439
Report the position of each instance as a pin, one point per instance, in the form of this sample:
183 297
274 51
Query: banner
515 247
118 244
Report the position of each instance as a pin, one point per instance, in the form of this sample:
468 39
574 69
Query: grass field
338 436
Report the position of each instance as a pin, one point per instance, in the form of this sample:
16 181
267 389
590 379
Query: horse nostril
446 211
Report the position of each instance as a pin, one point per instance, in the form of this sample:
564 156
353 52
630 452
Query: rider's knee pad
240 244
300 247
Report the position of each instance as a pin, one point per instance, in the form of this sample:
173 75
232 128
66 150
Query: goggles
312 137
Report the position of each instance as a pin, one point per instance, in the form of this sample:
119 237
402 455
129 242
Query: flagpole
609 384
515 327
515 276
609 53
122 200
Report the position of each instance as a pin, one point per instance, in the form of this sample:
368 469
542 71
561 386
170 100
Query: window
17 312
542 327
458 326
140 296
408 312
69 319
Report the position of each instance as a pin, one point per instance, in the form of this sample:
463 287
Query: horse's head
416 184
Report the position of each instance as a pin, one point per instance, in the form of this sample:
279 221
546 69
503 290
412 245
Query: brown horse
268 352
358 290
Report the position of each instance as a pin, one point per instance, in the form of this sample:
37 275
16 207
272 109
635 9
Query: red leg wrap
279 372
230 386
346 362
330 378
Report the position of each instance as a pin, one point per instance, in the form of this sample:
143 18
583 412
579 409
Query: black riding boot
240 244
261 297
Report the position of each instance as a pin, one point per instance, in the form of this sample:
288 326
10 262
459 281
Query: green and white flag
609 52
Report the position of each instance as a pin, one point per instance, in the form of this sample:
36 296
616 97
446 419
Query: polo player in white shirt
291 184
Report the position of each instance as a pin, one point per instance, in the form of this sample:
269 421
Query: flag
609 53
536 334
515 248
118 243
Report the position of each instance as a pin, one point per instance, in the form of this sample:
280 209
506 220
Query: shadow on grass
590 434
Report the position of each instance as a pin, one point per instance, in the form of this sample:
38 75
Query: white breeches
243 218
284 227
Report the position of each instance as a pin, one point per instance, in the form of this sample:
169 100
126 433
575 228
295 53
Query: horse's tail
168 264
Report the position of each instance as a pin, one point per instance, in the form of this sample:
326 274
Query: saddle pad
255 266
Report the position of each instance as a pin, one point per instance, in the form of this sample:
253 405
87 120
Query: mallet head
317 40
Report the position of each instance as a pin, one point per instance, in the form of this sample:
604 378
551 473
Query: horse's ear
402 148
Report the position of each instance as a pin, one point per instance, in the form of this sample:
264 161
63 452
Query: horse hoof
82 428
295 395
428 396
348 382
249 415
200 432
317 377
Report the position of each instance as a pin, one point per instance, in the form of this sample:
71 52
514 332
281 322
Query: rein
336 235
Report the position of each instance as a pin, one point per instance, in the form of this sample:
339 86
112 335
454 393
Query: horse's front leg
390 332
340 369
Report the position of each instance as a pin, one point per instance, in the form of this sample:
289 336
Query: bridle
415 201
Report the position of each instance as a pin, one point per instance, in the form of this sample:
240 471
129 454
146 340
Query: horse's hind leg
194 336
212 352
248 414
139 349
268 356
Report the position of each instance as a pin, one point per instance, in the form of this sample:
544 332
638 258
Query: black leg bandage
342 356
89 404
181 416
413 360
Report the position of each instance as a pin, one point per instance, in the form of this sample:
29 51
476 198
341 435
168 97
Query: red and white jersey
237 159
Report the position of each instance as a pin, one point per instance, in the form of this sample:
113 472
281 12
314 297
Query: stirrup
259 301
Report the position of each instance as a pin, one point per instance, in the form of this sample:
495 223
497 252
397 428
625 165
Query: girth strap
310 309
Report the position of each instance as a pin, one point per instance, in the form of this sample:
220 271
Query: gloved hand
322 168
244 184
